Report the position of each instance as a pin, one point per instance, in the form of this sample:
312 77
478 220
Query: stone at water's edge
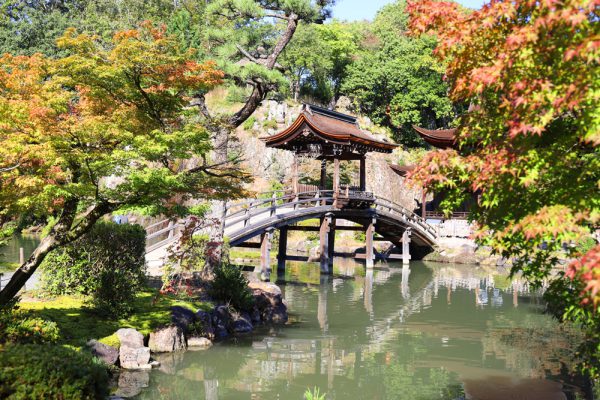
242 323
131 358
266 287
129 337
199 343
108 354
132 353
182 316
166 340
205 318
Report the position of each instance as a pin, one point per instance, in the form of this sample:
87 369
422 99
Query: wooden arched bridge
378 218
328 137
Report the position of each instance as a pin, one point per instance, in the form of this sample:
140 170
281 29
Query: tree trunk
62 233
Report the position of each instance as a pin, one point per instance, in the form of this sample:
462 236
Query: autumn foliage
529 145
105 128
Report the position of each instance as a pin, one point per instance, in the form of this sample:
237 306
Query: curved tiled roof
402 170
330 127
443 138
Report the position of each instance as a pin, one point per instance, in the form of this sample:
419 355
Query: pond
431 331
9 254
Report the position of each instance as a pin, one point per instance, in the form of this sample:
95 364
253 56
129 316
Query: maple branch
7 169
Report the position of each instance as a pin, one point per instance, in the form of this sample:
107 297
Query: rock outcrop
167 339
108 354
132 353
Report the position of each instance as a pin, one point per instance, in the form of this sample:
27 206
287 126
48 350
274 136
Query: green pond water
9 253
431 331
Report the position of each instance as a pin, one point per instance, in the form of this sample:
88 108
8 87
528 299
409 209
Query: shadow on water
430 331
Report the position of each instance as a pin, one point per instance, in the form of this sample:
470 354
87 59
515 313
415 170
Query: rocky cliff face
270 166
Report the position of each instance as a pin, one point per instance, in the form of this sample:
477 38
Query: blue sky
353 10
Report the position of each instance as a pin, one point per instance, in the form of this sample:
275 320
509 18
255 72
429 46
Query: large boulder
198 343
167 340
269 303
266 287
206 320
130 338
132 353
108 354
241 323
221 321
182 317
134 358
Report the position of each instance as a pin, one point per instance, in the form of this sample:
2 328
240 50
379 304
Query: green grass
78 323
6 266
248 254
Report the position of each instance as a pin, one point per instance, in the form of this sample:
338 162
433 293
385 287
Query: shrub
270 124
106 264
248 124
17 327
34 371
231 286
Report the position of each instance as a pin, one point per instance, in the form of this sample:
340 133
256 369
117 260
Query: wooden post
331 244
295 174
336 177
282 253
363 174
324 243
265 255
406 246
369 254
323 174
21 256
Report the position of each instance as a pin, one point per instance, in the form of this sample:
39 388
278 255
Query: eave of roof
330 129
402 170
443 138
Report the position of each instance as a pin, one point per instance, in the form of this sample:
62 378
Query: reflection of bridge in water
287 359
352 337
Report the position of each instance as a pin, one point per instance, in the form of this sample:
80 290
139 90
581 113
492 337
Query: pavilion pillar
265 255
336 177
406 247
282 253
363 174
323 174
324 243
295 174
369 253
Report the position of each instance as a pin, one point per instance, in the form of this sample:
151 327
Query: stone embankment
188 330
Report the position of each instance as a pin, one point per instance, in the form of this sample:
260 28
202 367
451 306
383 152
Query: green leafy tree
101 130
318 58
396 80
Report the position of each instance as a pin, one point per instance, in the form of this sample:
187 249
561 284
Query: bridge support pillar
369 253
265 255
331 244
324 241
406 247
282 253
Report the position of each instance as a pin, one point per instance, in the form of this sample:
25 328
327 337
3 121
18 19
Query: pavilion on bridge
328 136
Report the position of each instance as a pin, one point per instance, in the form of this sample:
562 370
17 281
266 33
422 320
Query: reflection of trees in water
353 340
532 345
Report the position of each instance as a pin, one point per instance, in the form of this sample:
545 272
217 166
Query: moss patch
78 323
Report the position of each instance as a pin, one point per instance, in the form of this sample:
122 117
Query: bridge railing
244 211
161 234
405 214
